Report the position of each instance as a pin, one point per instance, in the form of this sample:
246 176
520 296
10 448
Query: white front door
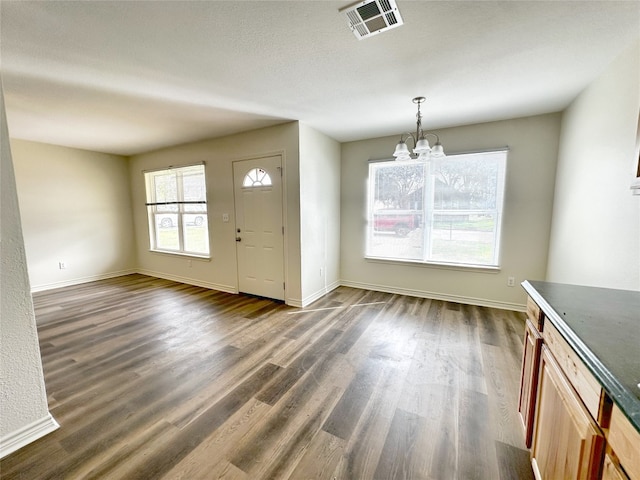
259 226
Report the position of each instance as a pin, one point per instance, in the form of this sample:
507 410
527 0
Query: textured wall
23 399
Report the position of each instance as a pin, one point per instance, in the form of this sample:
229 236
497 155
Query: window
177 207
256 177
447 211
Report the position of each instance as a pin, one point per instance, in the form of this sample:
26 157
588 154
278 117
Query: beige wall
24 415
531 165
595 238
319 213
221 271
76 208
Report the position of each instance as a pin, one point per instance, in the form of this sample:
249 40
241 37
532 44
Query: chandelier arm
432 134
409 134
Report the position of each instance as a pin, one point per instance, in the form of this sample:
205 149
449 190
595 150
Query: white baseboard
296 302
309 299
27 434
189 281
480 302
78 281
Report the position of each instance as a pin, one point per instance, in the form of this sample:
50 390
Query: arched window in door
256 177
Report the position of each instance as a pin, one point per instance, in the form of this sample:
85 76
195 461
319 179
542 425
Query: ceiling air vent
371 17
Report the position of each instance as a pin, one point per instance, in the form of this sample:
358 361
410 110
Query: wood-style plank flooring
151 379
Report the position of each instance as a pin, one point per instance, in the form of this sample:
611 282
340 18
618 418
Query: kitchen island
580 388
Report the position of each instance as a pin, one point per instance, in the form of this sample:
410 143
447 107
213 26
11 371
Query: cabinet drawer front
534 313
576 372
625 442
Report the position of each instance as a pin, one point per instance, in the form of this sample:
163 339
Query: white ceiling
131 76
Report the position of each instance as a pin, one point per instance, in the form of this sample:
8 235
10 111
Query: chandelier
422 151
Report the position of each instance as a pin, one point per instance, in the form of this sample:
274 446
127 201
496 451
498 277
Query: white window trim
152 212
173 253
433 264
493 268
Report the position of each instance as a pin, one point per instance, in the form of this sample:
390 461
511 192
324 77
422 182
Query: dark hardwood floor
151 379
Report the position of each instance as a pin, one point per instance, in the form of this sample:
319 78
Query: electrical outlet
62 265
225 217
511 281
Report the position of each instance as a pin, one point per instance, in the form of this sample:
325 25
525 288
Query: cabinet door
567 443
529 378
611 471
625 442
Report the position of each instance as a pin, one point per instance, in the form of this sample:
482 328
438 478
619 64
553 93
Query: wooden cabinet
574 393
611 470
624 440
529 378
567 443
587 387
534 314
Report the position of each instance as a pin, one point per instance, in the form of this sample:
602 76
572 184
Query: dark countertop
602 325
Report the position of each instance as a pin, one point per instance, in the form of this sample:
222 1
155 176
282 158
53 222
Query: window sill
190 256
442 265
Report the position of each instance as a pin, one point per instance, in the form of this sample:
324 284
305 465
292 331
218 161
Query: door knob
238 239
